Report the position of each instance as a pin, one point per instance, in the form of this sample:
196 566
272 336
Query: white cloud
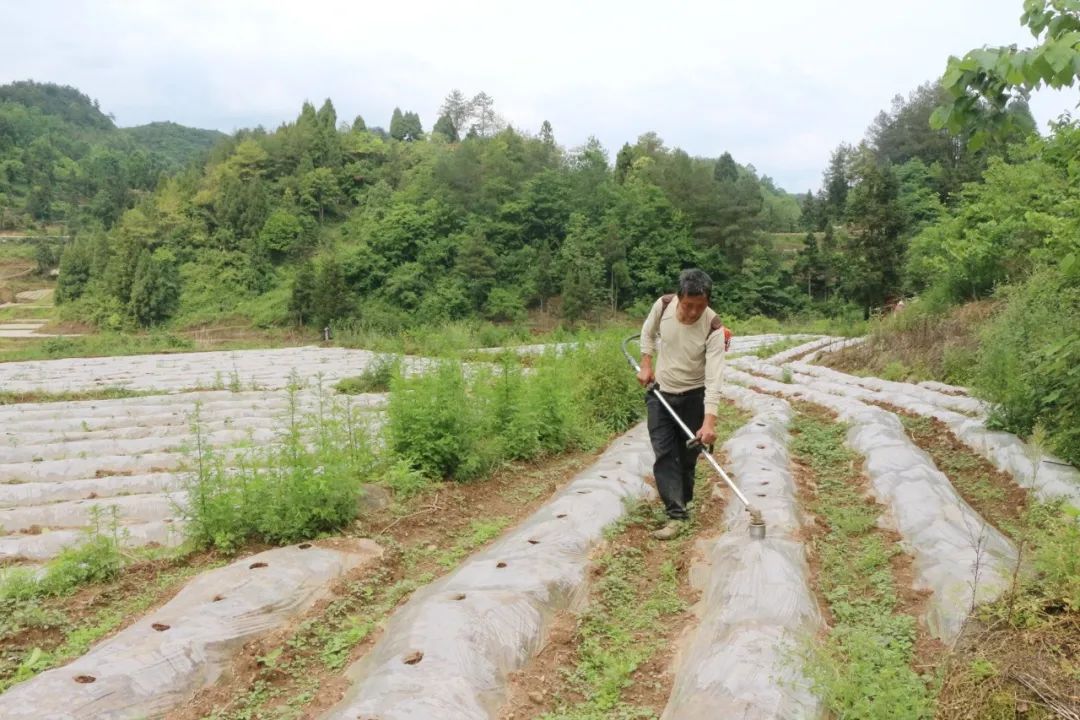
777 85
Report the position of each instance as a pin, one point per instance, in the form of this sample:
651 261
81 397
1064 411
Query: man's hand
707 434
646 376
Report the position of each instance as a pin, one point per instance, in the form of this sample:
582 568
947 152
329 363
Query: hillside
178 144
63 160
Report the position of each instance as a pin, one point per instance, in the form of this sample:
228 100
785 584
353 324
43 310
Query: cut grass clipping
865 667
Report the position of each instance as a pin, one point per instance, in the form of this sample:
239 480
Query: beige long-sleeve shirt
689 356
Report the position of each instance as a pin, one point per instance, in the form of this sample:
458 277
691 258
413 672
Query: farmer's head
695 288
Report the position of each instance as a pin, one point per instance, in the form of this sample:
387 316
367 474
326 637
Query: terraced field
895 517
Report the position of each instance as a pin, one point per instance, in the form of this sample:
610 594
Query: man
688 374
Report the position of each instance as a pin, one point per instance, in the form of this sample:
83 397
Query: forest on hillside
64 162
323 220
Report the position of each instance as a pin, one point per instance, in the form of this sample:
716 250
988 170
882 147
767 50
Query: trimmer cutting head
757 524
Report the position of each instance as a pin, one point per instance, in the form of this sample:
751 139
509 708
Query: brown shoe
669 531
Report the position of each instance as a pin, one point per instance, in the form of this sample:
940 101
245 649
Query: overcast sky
778 84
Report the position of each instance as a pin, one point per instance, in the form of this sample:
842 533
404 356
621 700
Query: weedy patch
297 671
613 661
876 661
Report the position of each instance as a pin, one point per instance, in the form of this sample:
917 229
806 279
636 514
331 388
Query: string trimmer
757 522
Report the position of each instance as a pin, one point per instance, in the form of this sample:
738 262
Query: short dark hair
693 281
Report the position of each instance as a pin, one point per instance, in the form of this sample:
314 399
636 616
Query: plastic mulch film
757 609
958 403
160 661
943 387
48 544
244 369
1048 477
800 350
447 653
957 555
834 347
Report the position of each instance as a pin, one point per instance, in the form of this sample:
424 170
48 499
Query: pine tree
397 125
302 301
445 127
547 135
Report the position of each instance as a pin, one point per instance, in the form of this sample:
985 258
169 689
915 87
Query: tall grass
1029 361
461 421
305 484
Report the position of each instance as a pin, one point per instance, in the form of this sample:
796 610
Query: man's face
690 308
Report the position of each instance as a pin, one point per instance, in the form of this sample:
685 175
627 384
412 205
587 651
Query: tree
837 183
331 297
397 125
583 282
358 124
458 109
75 271
485 121
624 160
319 191
809 269
874 251
547 135
155 289
476 265
281 234
302 299
411 128
987 85
445 126
726 169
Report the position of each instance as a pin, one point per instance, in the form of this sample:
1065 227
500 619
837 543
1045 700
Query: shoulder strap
716 324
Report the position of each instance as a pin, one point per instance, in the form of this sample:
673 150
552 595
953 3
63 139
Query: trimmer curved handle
630 358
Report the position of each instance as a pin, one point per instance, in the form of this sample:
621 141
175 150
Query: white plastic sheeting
959 403
447 652
944 387
59 460
39 547
80 513
957 555
248 369
834 347
1048 477
756 606
159 662
806 347
39 493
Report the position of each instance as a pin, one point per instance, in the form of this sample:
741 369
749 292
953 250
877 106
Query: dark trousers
674 466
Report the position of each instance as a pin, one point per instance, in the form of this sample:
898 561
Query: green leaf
940 117
953 74
987 60
1058 55
978 140
1070 265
